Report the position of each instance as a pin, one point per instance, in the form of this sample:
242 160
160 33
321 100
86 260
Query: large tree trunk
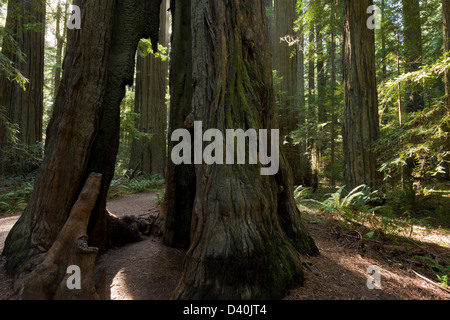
361 124
82 136
246 230
176 209
150 104
25 107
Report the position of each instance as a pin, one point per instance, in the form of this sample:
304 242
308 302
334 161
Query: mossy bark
246 232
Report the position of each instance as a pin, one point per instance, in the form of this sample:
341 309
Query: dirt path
148 270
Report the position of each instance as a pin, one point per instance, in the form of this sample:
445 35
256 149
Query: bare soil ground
148 270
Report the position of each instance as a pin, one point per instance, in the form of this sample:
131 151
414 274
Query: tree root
49 280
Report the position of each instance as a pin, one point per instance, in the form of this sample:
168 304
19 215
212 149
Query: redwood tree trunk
246 234
150 104
176 209
25 107
361 124
413 51
286 66
82 136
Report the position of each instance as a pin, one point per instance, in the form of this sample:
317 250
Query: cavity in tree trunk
150 103
82 136
247 233
361 124
26 22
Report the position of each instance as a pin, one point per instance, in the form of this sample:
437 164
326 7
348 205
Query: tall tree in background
60 40
246 230
305 164
26 23
321 91
413 51
333 100
446 36
361 120
176 209
150 103
285 63
311 113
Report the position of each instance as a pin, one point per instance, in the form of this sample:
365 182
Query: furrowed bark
361 120
246 234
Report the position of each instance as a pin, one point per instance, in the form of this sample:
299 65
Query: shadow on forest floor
148 270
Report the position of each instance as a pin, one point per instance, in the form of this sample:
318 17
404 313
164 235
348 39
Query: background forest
307 45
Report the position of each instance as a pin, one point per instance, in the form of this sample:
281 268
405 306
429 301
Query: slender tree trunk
176 209
361 121
246 229
25 107
305 164
60 39
333 124
383 44
321 99
150 103
312 110
446 20
82 136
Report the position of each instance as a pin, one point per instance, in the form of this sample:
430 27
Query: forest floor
148 270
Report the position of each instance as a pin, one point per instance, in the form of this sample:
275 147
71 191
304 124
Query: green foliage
141 182
145 48
160 196
419 143
128 131
7 67
419 206
359 200
17 156
15 193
